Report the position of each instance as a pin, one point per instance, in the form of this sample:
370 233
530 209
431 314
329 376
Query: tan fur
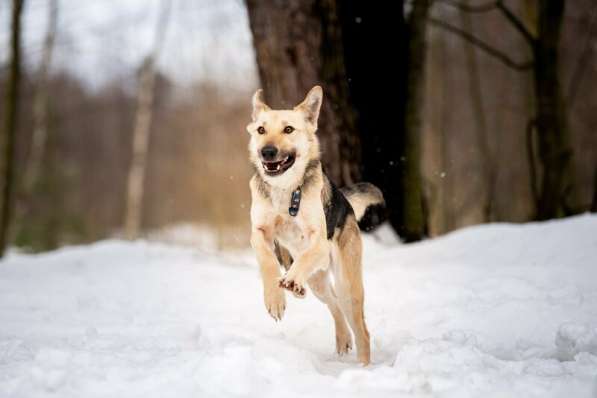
300 243
362 195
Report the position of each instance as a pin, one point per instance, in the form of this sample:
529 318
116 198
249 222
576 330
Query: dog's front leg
262 242
314 258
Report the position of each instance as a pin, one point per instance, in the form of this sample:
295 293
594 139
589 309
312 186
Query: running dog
303 222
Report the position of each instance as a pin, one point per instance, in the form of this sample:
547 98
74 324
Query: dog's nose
269 152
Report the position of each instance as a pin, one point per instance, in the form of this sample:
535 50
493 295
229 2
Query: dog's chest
289 234
287 228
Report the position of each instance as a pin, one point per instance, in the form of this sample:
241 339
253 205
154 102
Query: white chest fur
288 230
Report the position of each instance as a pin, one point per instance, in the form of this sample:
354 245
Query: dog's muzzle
275 162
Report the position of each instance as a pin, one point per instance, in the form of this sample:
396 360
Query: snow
489 311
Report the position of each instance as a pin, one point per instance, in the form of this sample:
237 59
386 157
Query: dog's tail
367 203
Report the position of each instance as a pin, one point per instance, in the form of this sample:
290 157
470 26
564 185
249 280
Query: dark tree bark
298 44
594 201
385 61
376 71
555 150
413 217
10 124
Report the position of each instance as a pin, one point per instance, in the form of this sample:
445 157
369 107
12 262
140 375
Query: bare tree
136 177
10 125
414 219
478 110
556 191
40 102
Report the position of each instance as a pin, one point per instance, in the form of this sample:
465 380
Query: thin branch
518 24
494 5
499 55
478 9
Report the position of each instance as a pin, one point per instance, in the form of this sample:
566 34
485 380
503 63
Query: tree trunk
594 201
298 44
414 220
136 178
487 172
555 150
10 125
376 71
40 103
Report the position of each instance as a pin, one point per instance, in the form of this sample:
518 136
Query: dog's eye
288 129
261 130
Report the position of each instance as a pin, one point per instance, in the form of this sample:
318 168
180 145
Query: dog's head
283 141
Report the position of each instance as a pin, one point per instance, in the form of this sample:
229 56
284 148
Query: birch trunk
40 103
143 119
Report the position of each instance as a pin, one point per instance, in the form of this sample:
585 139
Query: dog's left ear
258 104
311 105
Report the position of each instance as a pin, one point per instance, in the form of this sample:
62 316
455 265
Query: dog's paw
343 343
295 287
275 302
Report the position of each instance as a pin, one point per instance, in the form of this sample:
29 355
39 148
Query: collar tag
295 202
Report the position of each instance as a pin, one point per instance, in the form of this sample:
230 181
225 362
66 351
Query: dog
301 221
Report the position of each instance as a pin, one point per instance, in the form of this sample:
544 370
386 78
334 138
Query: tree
555 193
414 225
370 121
10 125
555 150
136 177
40 103
476 96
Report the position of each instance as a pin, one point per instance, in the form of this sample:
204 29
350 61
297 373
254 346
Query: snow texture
489 311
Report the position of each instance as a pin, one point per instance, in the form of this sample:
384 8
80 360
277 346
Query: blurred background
127 118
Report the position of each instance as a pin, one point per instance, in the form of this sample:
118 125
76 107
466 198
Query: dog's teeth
278 167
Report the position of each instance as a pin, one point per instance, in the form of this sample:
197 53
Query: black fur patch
336 210
374 215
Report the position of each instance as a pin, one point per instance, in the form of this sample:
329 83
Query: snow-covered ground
489 311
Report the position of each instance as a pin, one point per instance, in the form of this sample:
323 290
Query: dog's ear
258 104
311 105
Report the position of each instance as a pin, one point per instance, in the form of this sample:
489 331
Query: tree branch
499 55
478 9
495 5
518 25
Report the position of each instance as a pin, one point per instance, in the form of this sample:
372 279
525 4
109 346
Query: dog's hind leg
321 286
349 286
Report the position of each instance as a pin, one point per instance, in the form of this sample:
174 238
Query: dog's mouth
277 167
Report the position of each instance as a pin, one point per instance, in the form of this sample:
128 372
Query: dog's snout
269 152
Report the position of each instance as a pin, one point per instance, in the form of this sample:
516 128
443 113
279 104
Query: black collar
295 197
295 202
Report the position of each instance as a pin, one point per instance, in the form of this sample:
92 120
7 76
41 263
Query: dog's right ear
258 104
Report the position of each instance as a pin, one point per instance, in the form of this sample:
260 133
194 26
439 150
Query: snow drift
496 310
